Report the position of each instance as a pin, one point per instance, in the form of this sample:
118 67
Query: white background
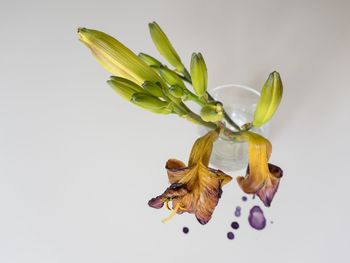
78 164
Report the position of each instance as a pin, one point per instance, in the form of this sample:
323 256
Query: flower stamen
173 213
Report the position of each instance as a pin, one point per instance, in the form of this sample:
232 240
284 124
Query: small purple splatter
244 198
235 225
256 218
185 230
238 211
230 235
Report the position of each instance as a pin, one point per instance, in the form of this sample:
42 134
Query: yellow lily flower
117 58
195 188
262 178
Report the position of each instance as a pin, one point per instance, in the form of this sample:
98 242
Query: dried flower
262 178
195 188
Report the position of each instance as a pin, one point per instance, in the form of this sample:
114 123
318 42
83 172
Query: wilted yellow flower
194 188
117 58
262 178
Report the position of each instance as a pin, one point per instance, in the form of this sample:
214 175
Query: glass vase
240 103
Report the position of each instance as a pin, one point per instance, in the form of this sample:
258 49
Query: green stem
187 77
226 116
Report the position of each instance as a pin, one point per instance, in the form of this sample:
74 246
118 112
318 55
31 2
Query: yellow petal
262 178
202 148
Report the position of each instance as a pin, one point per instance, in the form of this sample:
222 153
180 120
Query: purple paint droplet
244 198
185 230
238 211
230 235
235 225
256 218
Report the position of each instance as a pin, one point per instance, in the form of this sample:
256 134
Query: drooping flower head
262 178
194 188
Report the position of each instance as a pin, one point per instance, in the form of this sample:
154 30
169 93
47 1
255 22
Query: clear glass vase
240 104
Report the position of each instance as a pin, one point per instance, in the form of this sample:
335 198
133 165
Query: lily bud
270 98
151 103
124 87
199 74
176 91
149 60
153 89
212 112
117 58
171 77
164 46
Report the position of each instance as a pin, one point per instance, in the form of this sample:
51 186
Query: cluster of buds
145 81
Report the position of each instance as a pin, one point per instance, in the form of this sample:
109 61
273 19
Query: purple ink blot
244 198
185 230
256 218
238 211
230 235
235 225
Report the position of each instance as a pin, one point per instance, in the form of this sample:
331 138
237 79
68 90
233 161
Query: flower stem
226 116
186 77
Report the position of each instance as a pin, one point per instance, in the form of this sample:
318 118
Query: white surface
78 164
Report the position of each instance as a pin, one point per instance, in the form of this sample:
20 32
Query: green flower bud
199 74
212 112
124 87
153 89
149 60
176 91
171 77
117 58
164 46
270 98
151 103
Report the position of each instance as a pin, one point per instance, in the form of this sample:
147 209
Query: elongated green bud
212 112
199 74
270 98
149 60
151 103
171 77
153 89
124 87
164 46
176 91
117 58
